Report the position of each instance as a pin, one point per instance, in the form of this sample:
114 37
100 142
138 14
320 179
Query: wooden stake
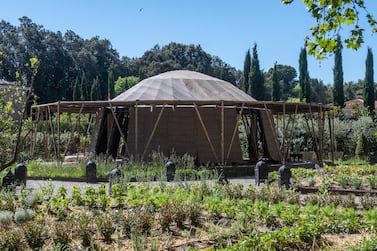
206 132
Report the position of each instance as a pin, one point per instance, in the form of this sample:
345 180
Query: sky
223 28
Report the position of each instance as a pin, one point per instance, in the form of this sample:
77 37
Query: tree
84 88
76 90
95 93
276 90
256 79
246 71
122 84
369 83
320 93
330 17
110 86
338 91
286 76
304 79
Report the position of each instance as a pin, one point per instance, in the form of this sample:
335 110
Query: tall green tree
369 83
256 79
338 90
246 72
110 85
76 90
95 93
276 89
304 79
286 76
84 87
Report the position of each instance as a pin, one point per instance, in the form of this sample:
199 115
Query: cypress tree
276 90
304 79
369 83
256 80
94 90
110 85
76 90
83 88
246 72
338 92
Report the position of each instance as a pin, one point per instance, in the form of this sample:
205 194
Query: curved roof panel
183 85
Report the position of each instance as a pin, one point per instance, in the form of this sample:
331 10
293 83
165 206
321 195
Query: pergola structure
189 112
315 115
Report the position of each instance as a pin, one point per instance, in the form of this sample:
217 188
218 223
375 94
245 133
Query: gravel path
37 184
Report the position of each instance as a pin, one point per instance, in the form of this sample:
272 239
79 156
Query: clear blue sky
223 28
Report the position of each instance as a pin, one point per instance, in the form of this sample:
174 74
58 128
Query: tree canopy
331 17
70 64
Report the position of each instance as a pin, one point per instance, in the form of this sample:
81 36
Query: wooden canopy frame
46 112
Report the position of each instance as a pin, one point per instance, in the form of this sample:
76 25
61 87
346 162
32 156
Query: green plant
103 199
12 239
62 233
356 182
84 227
90 197
372 181
166 215
106 226
22 215
343 180
76 196
7 200
6 218
368 201
35 234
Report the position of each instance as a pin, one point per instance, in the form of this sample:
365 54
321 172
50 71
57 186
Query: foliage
369 84
338 92
246 72
331 17
35 234
124 83
256 79
276 92
304 77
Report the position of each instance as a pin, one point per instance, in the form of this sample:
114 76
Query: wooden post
284 131
53 131
234 133
222 133
136 131
153 131
119 127
320 132
206 132
58 125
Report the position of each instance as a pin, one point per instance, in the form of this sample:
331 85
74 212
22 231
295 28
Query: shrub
84 228
12 239
6 218
23 215
356 182
61 233
106 226
372 181
35 234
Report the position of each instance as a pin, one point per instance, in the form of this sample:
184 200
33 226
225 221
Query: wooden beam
239 116
206 132
58 125
222 133
153 132
119 128
136 131
52 130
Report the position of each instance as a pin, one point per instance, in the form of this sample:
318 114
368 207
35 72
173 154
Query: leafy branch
331 16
